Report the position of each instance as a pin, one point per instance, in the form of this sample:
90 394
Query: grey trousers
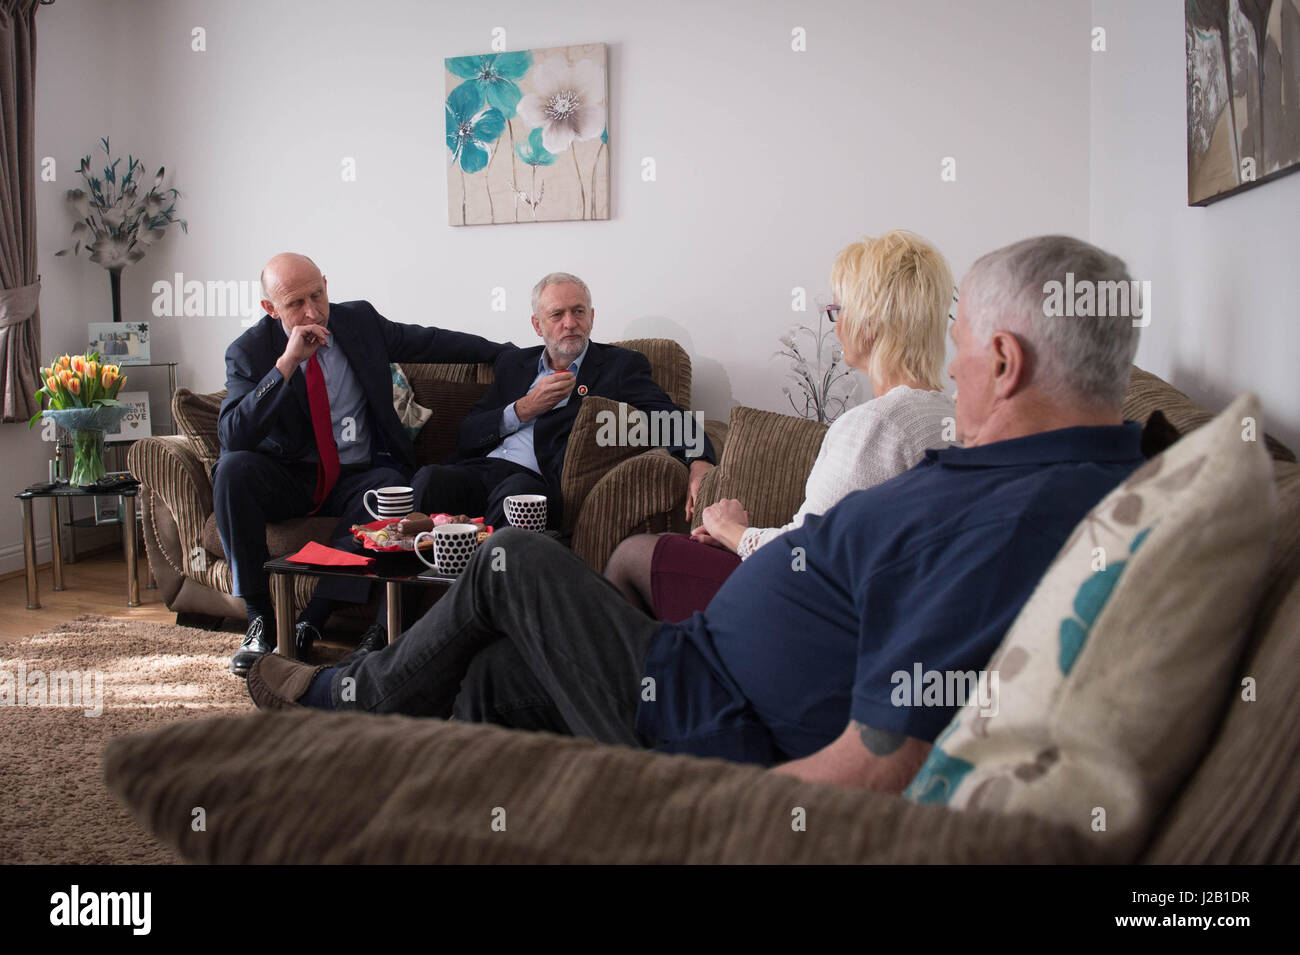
575 654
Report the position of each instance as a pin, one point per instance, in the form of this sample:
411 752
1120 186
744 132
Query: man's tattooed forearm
879 742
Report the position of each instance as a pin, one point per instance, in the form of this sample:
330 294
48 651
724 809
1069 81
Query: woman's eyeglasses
826 305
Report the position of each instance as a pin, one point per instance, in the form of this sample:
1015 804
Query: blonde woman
891 300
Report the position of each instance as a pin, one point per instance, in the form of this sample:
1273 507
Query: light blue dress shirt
518 444
347 406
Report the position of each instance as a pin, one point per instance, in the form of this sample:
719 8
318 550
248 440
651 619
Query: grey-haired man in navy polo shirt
791 664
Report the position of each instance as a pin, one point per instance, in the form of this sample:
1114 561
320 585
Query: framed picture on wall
121 343
528 136
136 424
1243 81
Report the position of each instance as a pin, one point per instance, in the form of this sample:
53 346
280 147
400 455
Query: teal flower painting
527 132
534 154
493 77
471 131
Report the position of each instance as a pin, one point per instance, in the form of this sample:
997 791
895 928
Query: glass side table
53 494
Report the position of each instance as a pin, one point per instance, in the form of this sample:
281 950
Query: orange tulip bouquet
82 397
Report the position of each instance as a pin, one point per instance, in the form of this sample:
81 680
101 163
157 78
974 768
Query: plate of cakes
397 534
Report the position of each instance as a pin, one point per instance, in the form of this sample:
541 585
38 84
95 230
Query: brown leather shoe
275 683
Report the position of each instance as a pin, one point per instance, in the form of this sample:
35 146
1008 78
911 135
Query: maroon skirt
685 574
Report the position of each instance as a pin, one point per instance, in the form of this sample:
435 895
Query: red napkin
324 556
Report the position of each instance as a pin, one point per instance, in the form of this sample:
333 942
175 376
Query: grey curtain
20 329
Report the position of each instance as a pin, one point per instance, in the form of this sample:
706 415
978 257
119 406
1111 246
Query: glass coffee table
69 491
392 570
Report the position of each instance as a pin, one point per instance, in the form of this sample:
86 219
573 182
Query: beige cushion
1113 676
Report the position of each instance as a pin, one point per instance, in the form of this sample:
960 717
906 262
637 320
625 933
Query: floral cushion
411 413
1107 686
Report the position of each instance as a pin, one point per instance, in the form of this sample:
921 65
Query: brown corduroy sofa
608 493
435 791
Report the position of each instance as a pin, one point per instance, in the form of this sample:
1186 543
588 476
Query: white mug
453 546
393 502
527 511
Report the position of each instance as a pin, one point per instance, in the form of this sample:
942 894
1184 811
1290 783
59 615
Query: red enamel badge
582 391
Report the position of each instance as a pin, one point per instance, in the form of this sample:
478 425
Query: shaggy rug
53 804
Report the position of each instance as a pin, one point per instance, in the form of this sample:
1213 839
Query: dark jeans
500 688
582 645
479 487
251 490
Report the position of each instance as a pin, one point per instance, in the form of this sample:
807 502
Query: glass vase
87 456
87 426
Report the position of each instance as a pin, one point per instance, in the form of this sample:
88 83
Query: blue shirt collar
1102 443
543 367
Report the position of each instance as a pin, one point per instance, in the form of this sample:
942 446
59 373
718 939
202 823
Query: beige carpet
53 804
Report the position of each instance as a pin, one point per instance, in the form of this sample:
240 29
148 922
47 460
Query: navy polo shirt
928 568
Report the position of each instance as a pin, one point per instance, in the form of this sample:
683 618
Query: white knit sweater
865 446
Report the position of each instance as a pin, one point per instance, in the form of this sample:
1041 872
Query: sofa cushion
282 537
588 455
1107 686
196 418
764 465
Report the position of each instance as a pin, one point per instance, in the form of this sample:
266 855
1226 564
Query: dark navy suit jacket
619 374
263 413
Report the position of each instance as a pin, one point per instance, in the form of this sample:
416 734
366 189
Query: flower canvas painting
528 136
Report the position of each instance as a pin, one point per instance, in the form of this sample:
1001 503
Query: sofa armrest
171 471
644 493
711 491
308 787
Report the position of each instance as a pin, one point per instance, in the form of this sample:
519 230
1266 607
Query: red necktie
318 399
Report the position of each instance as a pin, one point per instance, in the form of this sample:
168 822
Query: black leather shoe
304 638
258 642
375 638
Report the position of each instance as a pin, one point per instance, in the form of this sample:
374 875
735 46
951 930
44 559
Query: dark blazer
619 374
261 413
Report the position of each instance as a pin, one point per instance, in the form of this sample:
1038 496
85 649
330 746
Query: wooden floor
94 584
97 584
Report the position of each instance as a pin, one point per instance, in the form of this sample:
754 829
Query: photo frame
120 343
137 423
108 510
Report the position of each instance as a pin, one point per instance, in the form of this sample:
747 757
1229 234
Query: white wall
1224 280
76 103
768 160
